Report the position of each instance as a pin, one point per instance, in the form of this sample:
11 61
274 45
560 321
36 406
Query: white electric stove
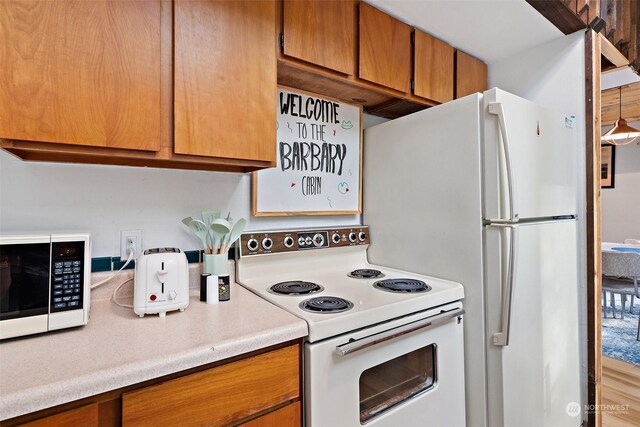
385 346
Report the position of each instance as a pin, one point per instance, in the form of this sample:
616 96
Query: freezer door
533 170
535 379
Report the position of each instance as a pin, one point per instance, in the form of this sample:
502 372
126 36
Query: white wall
620 205
618 77
553 75
37 196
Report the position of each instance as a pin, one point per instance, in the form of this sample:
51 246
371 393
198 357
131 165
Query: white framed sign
319 159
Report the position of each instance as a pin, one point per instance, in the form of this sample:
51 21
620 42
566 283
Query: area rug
619 336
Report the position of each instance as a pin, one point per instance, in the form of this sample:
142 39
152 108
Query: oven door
406 372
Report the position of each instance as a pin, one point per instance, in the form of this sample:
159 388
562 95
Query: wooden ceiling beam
617 22
610 52
559 14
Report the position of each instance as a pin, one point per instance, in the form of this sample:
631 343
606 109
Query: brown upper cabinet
225 79
81 72
184 84
322 32
471 75
433 70
385 49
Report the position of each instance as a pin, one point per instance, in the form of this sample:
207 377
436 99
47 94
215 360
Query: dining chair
620 274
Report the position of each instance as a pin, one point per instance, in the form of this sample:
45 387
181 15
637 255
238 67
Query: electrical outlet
130 237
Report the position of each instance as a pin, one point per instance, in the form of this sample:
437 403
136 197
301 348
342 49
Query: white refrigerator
483 191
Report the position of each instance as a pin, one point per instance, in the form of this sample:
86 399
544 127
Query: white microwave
45 283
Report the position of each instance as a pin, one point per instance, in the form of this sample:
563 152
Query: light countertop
118 349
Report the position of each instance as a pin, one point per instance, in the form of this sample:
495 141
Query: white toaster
161 282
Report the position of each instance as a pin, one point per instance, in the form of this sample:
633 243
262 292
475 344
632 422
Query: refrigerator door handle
497 108
501 338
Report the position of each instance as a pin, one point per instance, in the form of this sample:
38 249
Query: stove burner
402 285
296 287
366 273
326 305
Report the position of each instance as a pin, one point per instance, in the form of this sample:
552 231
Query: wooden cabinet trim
42 151
375 99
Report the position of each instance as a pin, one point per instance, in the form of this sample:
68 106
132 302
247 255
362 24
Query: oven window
395 381
24 280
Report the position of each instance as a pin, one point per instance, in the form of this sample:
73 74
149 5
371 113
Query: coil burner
326 305
296 287
366 273
402 285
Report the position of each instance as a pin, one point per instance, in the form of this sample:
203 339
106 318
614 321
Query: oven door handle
438 319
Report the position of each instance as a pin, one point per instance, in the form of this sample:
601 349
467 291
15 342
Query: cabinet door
433 69
321 32
225 78
471 75
86 416
288 416
81 72
385 49
219 396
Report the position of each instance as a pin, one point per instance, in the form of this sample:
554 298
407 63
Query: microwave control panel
269 242
67 276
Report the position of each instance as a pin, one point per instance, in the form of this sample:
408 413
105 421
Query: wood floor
621 386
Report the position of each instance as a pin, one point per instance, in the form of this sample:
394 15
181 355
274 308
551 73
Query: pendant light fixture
621 134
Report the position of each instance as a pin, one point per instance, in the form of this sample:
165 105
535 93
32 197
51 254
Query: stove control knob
267 243
308 240
301 241
335 238
252 245
288 241
352 237
362 236
318 240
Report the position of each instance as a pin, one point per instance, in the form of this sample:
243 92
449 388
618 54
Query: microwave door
24 287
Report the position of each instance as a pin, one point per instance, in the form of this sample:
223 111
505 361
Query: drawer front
287 416
218 396
84 416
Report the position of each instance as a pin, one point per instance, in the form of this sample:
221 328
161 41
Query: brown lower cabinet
86 416
262 390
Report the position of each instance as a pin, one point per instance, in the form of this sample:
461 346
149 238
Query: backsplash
104 200
99 264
